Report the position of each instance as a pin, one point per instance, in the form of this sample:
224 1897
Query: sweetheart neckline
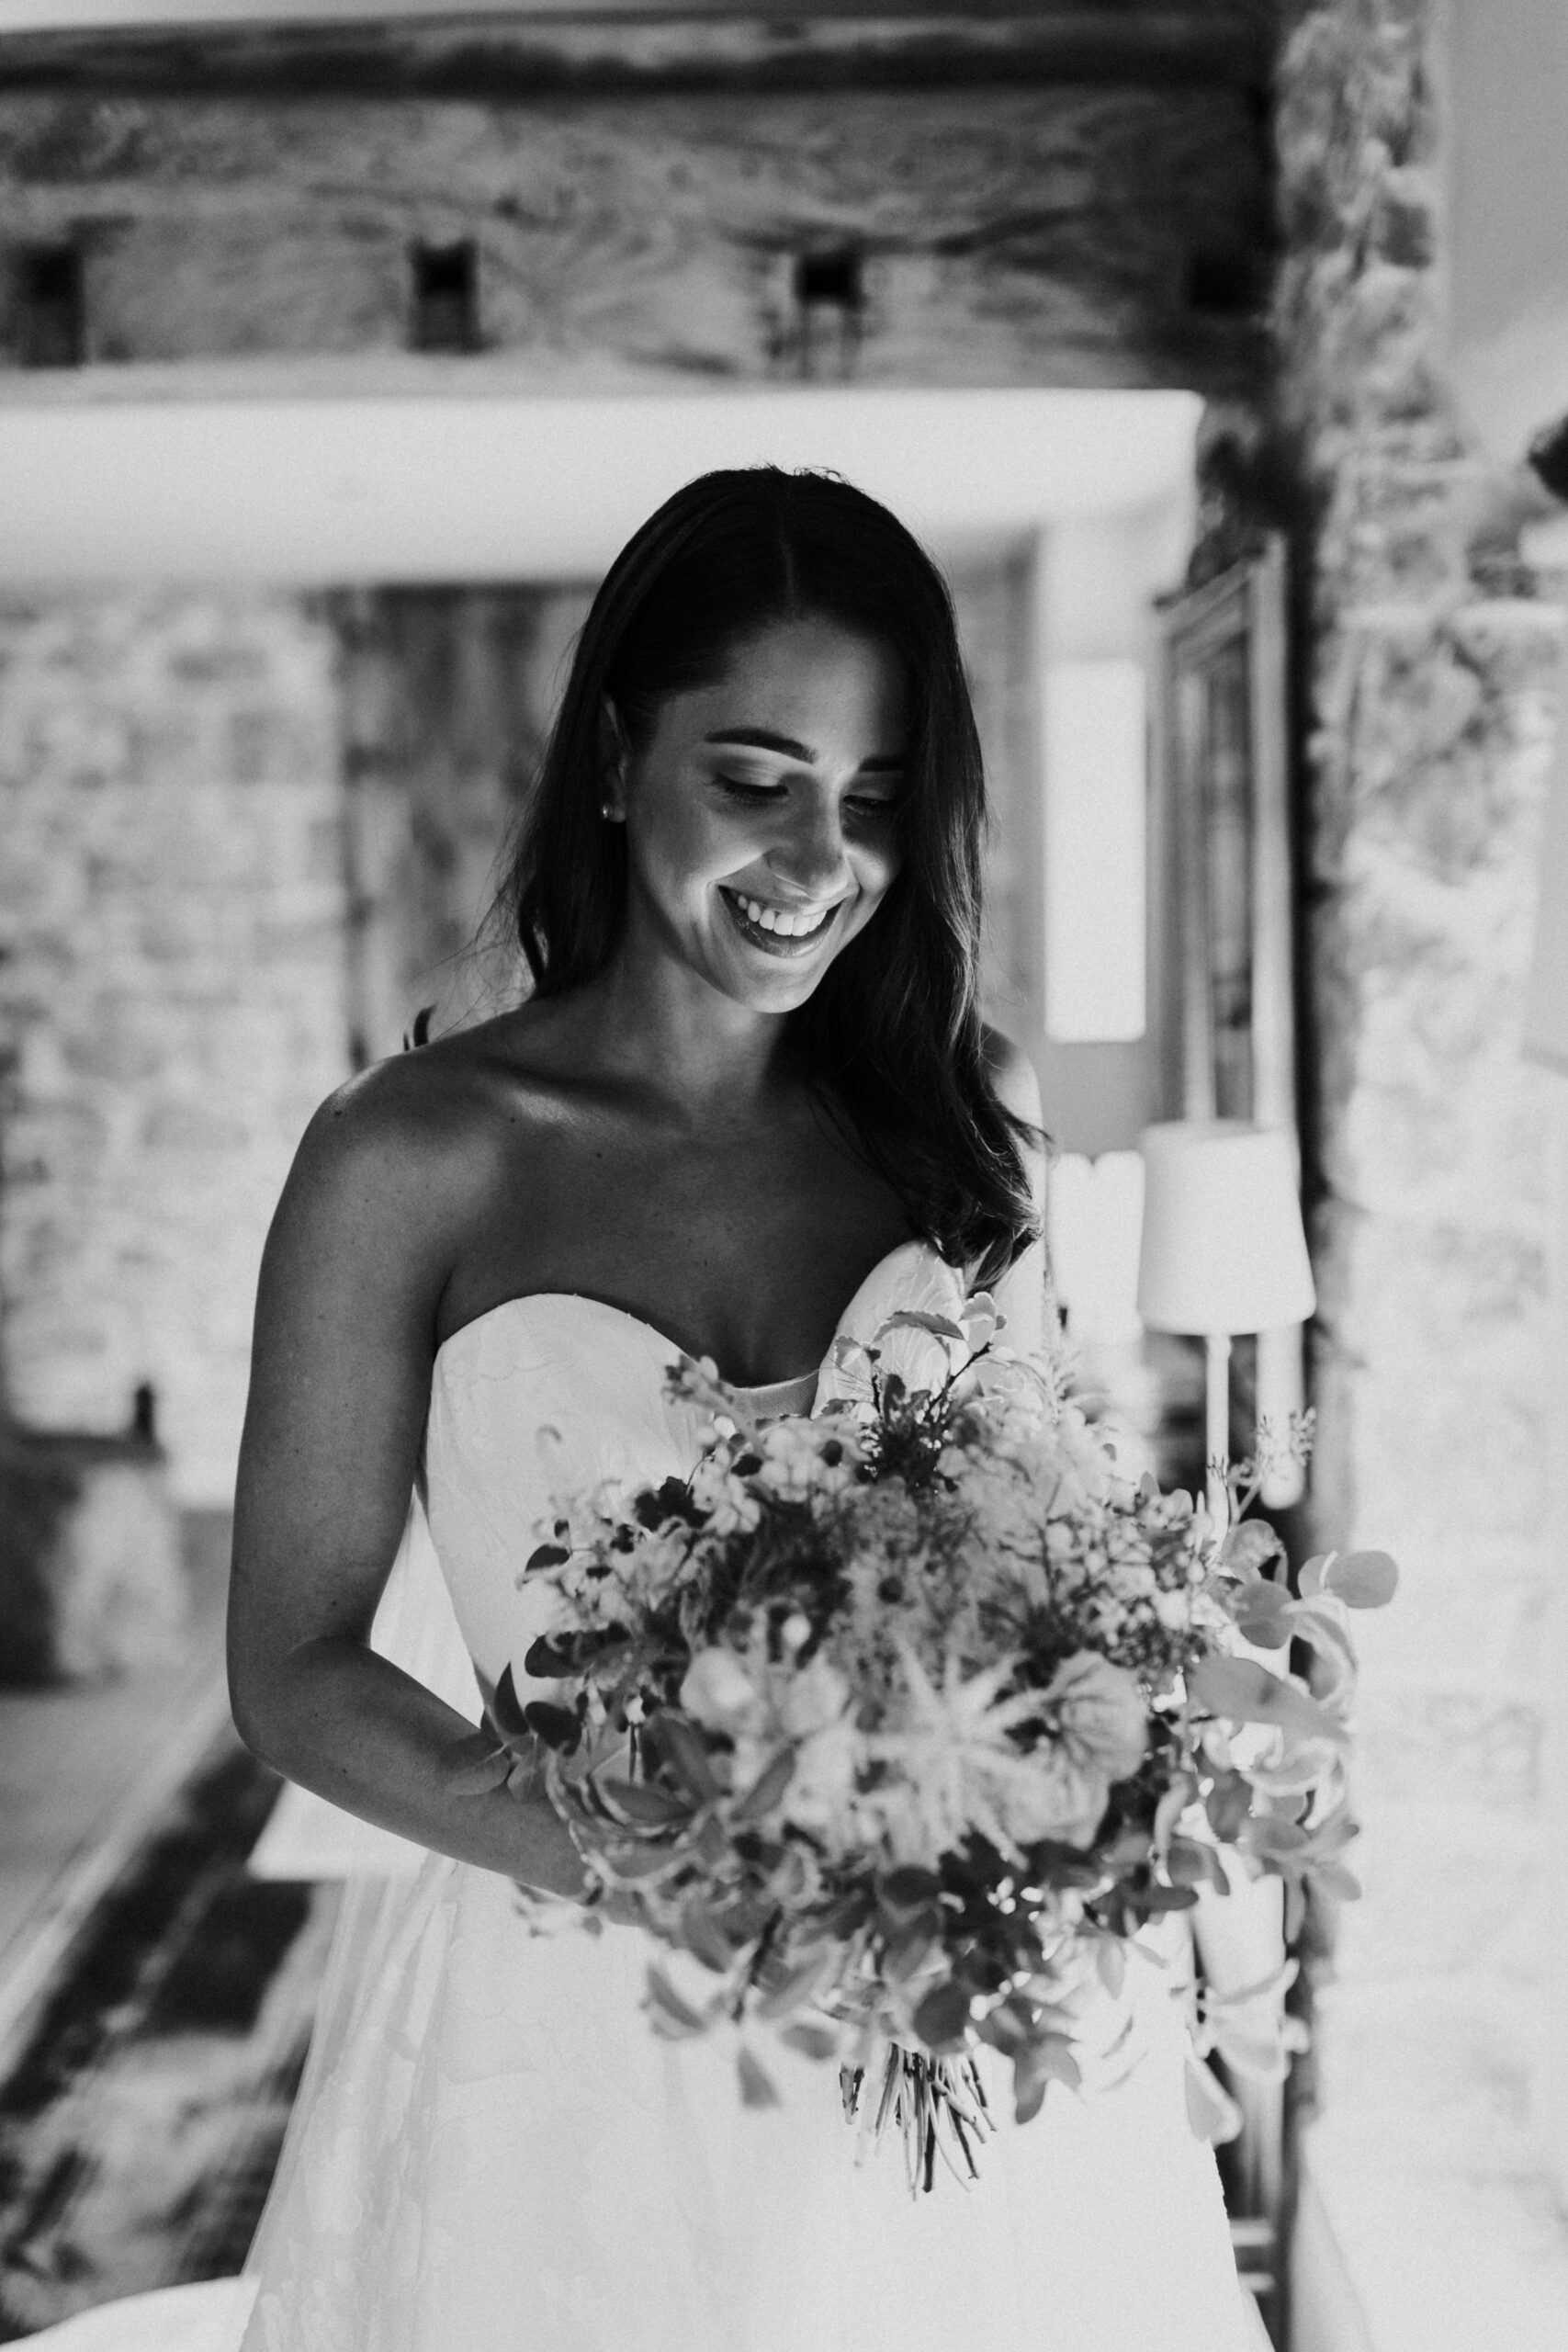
641 1323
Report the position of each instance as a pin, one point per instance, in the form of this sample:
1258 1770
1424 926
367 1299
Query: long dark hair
892 1035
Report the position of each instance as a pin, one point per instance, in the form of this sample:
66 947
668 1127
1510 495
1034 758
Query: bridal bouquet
897 1722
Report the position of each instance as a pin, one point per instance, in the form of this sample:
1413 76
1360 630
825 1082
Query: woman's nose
810 856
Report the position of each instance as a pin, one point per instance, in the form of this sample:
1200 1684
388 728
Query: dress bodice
491 2145
553 1392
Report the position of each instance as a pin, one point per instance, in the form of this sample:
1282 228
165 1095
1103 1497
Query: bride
747 1104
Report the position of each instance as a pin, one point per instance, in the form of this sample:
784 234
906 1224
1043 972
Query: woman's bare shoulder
406 1153
442 1109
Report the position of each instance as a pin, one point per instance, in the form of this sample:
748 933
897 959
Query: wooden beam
513 57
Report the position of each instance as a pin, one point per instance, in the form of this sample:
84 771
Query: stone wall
172 998
449 695
1430 691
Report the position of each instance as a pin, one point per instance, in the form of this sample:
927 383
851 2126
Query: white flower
821 1796
728 1501
717 1690
812 1699
957 1752
1098 1711
794 1466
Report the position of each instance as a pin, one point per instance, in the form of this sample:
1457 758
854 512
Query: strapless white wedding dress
491 2150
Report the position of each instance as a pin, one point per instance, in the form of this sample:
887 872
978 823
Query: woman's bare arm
351 1283
1020 1292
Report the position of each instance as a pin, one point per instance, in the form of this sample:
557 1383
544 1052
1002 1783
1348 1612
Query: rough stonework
1432 711
171 992
447 695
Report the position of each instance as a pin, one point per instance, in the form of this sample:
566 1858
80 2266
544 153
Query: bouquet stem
938 2105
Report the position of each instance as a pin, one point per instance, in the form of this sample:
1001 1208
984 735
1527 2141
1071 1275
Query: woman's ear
613 759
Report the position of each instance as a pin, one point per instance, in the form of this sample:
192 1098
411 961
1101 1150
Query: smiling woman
767 715
746 1110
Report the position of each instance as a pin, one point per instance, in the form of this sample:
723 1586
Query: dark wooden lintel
518 57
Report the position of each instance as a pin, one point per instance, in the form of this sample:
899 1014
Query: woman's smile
778 930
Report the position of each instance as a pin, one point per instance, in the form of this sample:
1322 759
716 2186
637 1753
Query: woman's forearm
353 1728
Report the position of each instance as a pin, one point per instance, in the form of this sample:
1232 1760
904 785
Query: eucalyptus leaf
706 1940
914 1319
796 1986
1245 1692
1262 1614
767 1788
813 2037
907 1889
548 1555
1029 2094
1227 1805
548 1656
1054 2059
632 1863
1191 1863
757 2088
1110 1962
674 1742
1362 1580
506 1708
654 1808
670 2014
1268 1834
557 1726
1155 1900
943 2018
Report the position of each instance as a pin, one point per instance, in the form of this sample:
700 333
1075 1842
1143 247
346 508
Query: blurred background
1207 343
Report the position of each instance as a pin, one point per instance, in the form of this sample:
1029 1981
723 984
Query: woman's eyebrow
762 739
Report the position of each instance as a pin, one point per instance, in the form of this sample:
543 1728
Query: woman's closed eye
864 805
740 790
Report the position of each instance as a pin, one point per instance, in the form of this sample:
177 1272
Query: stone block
1403 222
91 1578
1461 1747
1472 1610
1426 1456
1442 2064
1447 1892
1435 1360
172 1011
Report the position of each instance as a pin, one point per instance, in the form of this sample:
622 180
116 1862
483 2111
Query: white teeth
778 919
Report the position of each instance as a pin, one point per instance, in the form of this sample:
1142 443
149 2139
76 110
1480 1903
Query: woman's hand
549 1862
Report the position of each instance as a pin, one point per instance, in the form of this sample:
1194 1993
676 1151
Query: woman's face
761 812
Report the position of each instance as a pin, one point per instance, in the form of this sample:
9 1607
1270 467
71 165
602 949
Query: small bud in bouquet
895 1724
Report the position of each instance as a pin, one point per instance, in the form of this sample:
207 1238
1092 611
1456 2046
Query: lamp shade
1223 1245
